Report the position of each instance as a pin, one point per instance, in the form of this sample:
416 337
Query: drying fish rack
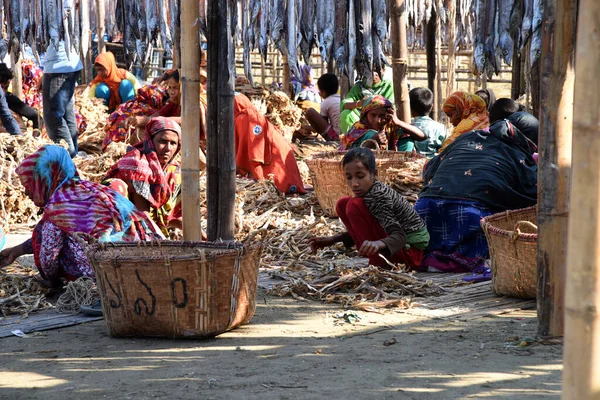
175 289
512 240
328 177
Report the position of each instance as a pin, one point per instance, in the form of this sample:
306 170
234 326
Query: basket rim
487 224
105 251
327 156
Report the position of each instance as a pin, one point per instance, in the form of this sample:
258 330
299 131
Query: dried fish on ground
367 288
20 293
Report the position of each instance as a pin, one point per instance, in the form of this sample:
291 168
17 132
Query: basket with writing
401 170
512 240
175 289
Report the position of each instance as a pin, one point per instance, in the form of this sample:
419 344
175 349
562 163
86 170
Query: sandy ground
291 350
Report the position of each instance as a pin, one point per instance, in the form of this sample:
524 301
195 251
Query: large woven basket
175 289
512 239
328 178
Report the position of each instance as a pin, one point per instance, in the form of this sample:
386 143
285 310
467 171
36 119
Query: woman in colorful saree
149 175
467 112
71 205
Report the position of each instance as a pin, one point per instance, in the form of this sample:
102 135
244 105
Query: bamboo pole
430 48
220 124
400 58
515 86
286 74
100 20
17 83
581 377
86 41
557 84
190 85
451 63
438 57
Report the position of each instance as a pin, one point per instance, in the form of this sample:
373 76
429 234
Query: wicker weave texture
174 289
328 177
512 239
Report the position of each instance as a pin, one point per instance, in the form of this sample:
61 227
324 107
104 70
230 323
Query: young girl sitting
378 219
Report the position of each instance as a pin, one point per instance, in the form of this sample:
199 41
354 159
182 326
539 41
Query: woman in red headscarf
114 85
150 176
260 150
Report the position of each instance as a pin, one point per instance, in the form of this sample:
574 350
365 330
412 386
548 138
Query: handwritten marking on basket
137 308
183 290
112 303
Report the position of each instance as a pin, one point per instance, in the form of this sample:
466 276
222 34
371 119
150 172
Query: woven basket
329 181
175 289
512 239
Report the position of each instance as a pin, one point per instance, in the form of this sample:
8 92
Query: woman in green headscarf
351 105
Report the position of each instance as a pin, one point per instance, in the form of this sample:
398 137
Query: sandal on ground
93 310
481 274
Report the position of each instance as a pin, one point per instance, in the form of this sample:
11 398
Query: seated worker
112 84
488 96
378 219
261 150
467 112
350 106
378 122
421 104
481 173
304 87
149 175
172 109
71 205
327 122
15 104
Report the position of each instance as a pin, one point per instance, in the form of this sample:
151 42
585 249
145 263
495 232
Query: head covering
360 128
74 205
489 95
473 112
141 169
113 79
527 124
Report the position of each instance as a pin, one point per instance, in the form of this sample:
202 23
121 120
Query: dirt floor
292 350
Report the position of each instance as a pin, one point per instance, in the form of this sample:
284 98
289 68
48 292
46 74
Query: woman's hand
394 117
321 242
369 248
8 256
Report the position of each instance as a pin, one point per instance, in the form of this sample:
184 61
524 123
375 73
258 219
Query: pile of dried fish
408 180
283 113
366 288
94 112
20 293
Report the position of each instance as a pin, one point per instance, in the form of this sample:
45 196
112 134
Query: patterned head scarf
360 128
51 180
44 171
156 126
473 113
141 168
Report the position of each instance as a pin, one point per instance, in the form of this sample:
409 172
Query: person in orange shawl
260 150
112 84
467 112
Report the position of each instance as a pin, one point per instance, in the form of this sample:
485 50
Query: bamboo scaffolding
431 63
581 377
190 85
451 73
